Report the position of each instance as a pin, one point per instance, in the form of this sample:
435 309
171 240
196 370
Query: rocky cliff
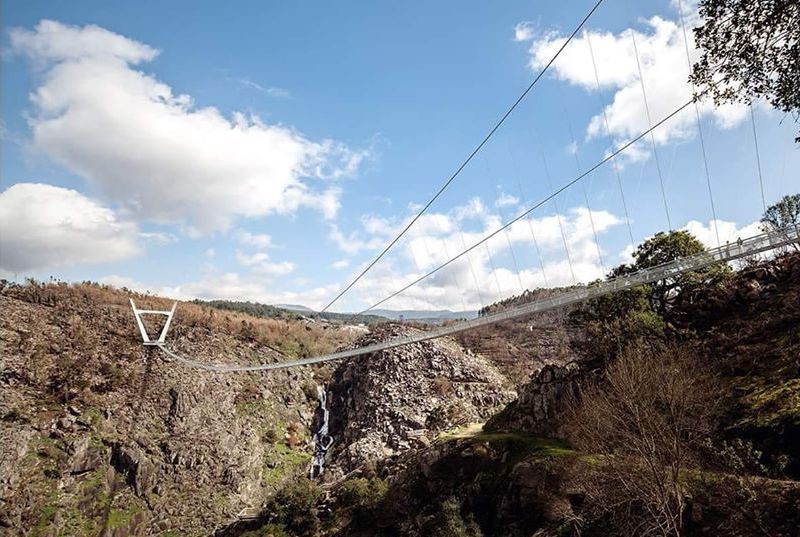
100 435
521 347
385 403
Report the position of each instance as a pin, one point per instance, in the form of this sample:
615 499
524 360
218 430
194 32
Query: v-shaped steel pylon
163 335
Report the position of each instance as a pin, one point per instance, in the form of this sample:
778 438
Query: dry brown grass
295 339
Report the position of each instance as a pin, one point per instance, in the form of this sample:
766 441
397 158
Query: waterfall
322 440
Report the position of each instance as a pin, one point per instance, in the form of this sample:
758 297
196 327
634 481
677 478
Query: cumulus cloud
487 273
523 31
505 200
352 243
156 153
43 226
262 264
728 231
261 241
665 70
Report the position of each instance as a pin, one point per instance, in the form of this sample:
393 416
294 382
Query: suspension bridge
741 249
772 239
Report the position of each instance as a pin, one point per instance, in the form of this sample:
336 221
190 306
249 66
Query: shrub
644 425
449 521
295 507
362 494
441 385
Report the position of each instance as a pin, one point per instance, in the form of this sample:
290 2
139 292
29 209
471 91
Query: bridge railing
764 242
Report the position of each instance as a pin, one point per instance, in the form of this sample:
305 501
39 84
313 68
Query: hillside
290 312
520 347
551 464
101 435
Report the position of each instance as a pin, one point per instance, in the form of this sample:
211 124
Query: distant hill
423 315
435 316
294 307
289 312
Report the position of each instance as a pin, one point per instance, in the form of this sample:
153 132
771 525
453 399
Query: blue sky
268 152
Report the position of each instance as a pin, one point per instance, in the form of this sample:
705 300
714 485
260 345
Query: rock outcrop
385 403
541 401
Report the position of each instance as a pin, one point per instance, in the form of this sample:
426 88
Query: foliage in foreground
644 423
750 50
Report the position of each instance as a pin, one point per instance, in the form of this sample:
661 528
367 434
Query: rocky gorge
101 436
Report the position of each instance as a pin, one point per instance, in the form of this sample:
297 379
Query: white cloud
272 91
228 286
261 263
210 253
261 241
506 200
572 148
728 231
665 70
352 243
442 235
523 31
43 226
157 154
341 264
159 238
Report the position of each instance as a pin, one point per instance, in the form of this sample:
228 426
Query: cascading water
321 439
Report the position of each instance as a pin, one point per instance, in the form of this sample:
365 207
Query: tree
617 320
666 247
642 428
783 214
637 315
750 49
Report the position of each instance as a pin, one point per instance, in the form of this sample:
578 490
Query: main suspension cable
469 157
536 206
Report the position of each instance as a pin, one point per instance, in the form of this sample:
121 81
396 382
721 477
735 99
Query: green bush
450 523
295 507
361 493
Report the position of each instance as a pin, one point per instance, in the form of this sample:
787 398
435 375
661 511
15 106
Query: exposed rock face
383 404
98 432
540 402
520 347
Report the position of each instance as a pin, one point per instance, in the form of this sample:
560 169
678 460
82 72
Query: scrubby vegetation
682 418
285 334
